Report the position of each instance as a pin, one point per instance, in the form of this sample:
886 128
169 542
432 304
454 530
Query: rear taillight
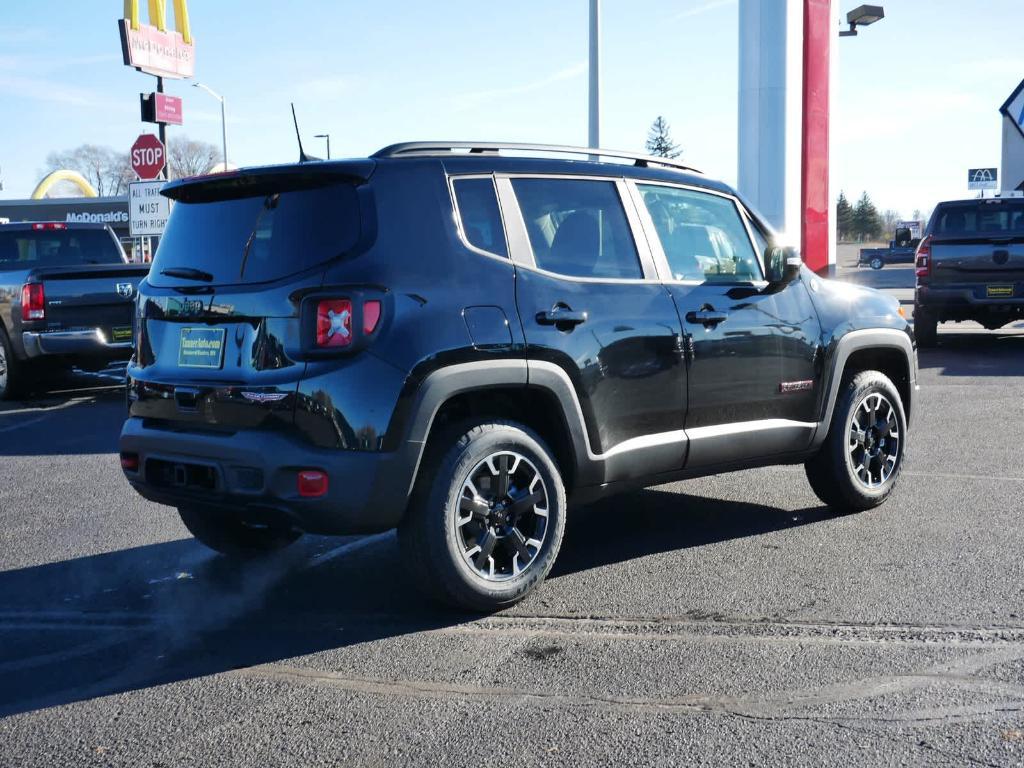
341 322
334 323
923 258
33 302
371 316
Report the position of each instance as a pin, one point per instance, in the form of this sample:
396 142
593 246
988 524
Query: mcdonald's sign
152 47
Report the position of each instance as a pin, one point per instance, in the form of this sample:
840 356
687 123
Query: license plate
201 348
122 333
999 291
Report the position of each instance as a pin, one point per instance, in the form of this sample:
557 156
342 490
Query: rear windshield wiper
188 273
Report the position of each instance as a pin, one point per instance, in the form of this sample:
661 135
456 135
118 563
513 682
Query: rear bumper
83 343
254 474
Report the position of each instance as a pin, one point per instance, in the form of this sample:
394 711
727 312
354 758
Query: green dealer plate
201 348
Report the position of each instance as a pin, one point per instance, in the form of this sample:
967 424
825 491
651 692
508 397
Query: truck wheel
861 458
487 517
926 328
13 376
877 262
230 536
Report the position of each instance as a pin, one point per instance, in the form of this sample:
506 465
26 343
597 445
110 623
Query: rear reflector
334 323
371 315
312 483
33 302
130 462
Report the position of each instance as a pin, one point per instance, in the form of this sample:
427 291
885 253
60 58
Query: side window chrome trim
521 250
460 227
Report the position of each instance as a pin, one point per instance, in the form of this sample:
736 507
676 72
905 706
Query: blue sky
917 103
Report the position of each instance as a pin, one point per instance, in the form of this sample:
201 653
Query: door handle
561 315
707 316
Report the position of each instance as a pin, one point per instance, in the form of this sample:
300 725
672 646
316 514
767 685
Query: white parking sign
147 208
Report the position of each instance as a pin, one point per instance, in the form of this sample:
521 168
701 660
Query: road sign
982 178
160 108
147 208
148 157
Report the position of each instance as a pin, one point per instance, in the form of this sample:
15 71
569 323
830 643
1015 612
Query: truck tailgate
980 260
96 296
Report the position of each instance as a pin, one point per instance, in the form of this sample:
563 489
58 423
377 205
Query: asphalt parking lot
726 621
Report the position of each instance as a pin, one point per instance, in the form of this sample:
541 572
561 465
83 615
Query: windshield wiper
188 273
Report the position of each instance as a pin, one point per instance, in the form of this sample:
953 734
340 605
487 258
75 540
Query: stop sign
148 157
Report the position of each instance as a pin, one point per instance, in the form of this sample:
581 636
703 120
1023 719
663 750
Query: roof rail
440 148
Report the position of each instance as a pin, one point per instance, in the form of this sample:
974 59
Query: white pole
594 134
224 131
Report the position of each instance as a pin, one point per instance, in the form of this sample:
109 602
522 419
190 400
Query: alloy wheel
502 518
874 442
3 368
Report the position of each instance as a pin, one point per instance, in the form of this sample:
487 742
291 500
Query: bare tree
659 141
108 170
190 157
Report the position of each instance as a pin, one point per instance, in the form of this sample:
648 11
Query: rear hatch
223 326
979 244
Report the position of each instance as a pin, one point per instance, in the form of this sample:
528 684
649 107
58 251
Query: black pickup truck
66 298
970 266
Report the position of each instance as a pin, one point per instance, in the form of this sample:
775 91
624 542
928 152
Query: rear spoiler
261 180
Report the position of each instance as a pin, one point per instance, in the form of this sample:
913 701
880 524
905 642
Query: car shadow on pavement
132 619
82 421
977 353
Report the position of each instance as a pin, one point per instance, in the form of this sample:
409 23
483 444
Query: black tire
14 379
228 535
877 262
926 328
833 472
438 534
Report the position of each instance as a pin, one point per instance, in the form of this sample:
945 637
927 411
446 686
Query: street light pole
594 133
328 137
223 118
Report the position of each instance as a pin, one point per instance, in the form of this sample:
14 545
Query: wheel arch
887 350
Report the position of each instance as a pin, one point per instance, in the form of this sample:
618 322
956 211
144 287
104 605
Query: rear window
57 248
998 218
258 238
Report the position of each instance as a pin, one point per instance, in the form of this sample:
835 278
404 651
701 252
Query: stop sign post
148 157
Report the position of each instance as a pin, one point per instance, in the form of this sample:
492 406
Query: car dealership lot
732 622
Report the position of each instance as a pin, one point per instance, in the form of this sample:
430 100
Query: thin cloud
709 6
476 99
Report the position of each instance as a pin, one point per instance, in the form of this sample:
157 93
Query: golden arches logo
63 175
158 16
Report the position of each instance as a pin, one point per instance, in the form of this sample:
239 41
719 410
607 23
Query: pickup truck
901 250
970 266
67 294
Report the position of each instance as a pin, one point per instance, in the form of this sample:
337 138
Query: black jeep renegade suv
463 340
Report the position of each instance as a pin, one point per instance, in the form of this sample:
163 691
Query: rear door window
57 248
997 218
703 235
258 238
578 227
477 203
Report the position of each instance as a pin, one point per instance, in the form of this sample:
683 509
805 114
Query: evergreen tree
659 141
844 218
867 224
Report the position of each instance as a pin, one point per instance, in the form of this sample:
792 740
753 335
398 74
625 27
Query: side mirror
782 265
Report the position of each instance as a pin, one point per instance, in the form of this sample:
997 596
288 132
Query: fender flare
854 341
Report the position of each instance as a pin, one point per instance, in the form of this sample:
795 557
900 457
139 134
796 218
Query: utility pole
594 102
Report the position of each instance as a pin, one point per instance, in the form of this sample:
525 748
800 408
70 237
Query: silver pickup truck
970 266
66 298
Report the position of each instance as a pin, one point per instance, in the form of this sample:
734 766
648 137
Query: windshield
257 238
30 248
996 218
